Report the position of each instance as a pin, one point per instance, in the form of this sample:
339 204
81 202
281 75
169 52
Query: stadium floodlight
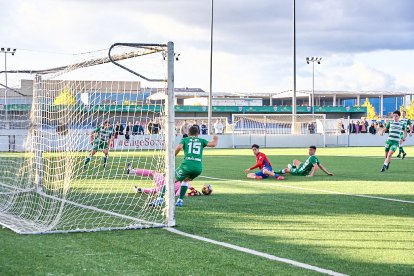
12 52
210 92
318 61
294 62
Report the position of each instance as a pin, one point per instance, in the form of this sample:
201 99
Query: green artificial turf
316 221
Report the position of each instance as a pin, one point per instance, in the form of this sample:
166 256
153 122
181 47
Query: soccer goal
86 122
179 121
266 128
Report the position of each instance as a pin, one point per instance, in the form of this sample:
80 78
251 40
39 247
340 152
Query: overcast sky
365 44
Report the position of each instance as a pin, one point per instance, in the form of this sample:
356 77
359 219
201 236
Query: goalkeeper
307 168
159 180
101 137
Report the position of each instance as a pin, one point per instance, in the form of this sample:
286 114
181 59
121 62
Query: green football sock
401 150
162 192
105 159
87 160
183 189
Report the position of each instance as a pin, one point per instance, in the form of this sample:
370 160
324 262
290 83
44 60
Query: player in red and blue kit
263 164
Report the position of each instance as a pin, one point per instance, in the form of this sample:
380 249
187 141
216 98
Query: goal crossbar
91 62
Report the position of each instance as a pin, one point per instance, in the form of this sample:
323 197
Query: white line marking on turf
367 156
93 208
317 190
257 253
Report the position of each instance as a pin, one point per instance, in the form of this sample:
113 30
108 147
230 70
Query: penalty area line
318 190
256 253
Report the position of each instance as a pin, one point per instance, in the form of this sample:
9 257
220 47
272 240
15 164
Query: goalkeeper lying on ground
159 180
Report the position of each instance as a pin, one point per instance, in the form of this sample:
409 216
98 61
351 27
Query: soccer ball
207 190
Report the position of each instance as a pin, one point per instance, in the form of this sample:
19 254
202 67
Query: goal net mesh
51 179
279 124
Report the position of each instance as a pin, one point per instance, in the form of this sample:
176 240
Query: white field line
256 253
353 156
366 156
93 208
318 190
64 200
15 190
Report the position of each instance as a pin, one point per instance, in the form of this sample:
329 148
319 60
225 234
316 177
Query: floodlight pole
12 52
5 90
313 60
210 93
313 87
294 60
293 129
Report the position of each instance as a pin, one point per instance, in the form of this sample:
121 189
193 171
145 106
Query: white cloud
351 75
252 42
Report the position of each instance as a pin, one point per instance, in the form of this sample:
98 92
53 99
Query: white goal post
267 127
65 180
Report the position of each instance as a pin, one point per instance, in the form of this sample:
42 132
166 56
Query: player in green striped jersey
395 129
101 137
408 127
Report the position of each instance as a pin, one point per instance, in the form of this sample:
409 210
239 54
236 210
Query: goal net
202 122
268 127
65 149
279 124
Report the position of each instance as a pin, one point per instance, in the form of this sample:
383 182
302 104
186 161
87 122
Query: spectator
372 129
149 127
197 125
311 128
184 129
366 123
204 128
156 127
380 130
141 130
376 127
121 129
341 128
364 126
118 130
357 127
128 130
135 128
351 127
218 127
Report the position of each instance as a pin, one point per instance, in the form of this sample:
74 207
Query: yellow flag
410 110
371 114
65 97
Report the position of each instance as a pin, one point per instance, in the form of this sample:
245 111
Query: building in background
192 102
